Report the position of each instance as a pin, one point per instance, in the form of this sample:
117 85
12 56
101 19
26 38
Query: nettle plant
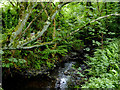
105 66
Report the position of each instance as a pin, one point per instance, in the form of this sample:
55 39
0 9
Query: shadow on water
56 79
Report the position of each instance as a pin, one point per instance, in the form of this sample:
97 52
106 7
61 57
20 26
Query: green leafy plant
104 65
99 83
11 62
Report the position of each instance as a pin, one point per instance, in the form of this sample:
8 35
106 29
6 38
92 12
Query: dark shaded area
17 81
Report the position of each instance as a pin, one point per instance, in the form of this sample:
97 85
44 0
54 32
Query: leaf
1 52
15 60
79 68
98 43
87 49
80 74
10 59
7 65
22 61
3 64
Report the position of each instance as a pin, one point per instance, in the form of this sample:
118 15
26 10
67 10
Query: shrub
104 69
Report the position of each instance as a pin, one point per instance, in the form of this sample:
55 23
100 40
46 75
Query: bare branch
104 17
34 5
32 22
47 23
35 46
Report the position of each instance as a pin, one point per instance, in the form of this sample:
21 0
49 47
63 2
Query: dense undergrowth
58 32
69 31
104 67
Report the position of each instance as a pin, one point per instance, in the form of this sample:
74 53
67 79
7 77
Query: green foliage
10 16
71 17
99 83
77 44
80 74
105 66
1 52
1 88
104 58
50 65
11 62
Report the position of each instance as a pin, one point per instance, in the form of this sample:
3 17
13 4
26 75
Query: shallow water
63 80
56 79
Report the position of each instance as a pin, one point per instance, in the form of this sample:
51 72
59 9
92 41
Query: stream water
62 80
57 79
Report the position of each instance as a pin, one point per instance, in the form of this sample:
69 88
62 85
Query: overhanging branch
92 22
33 20
47 24
20 25
30 47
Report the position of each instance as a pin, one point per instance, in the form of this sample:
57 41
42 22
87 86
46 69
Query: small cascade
62 80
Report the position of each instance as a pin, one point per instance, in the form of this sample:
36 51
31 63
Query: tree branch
33 21
104 17
20 26
93 21
44 9
30 47
47 24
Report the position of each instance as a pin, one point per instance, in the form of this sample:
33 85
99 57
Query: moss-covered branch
33 20
92 22
21 24
47 24
30 47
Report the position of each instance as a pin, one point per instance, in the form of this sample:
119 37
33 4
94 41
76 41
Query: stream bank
64 75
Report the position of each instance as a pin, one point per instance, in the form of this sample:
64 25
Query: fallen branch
36 46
